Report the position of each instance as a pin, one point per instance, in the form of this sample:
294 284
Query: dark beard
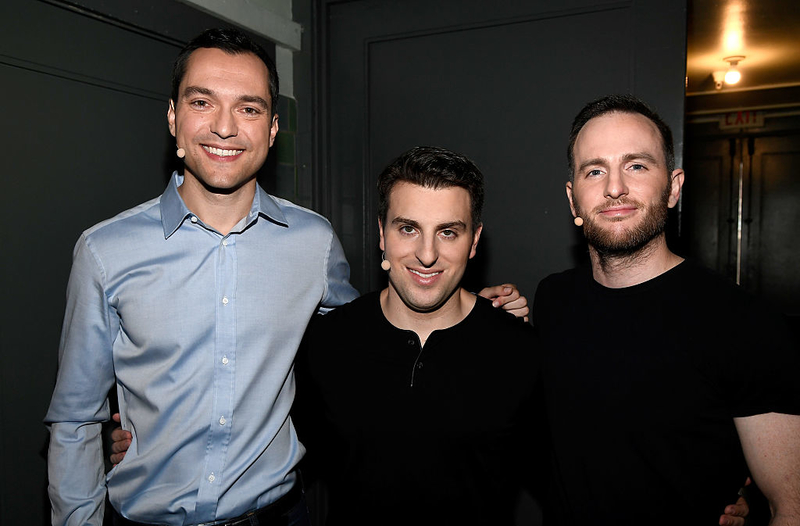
628 243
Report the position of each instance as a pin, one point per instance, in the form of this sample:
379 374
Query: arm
80 399
771 445
338 289
508 297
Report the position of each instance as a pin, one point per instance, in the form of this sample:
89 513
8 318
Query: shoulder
332 336
491 320
358 314
120 227
297 215
511 341
561 281
706 286
559 289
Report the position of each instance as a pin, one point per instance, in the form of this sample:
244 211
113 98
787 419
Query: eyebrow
251 99
442 226
628 157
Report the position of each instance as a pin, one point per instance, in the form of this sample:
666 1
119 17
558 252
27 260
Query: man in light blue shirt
194 304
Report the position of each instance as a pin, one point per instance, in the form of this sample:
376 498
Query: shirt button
419 365
222 420
194 219
211 478
411 342
224 242
224 360
225 301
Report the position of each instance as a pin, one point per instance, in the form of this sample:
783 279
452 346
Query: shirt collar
174 210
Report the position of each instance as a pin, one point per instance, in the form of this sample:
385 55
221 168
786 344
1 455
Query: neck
620 271
455 309
220 211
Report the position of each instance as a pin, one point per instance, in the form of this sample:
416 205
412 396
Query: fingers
508 297
508 294
492 293
727 520
120 435
518 308
121 446
735 513
740 509
116 458
120 442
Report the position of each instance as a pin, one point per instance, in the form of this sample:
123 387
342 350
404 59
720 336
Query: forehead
239 73
615 134
425 204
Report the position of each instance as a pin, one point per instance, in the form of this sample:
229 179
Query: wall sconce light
733 75
719 78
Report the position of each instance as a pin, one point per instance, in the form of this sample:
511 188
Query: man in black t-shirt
416 403
662 380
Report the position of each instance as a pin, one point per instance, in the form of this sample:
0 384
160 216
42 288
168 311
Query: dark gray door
740 208
497 81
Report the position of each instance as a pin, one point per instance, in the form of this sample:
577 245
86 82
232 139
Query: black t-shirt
642 385
411 435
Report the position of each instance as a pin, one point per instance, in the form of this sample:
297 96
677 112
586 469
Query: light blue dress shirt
199 331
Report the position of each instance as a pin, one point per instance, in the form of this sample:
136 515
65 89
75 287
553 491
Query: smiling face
428 238
621 188
223 119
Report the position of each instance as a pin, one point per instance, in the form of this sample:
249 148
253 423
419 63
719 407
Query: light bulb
733 76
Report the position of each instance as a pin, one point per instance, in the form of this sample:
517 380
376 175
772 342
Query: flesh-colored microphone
578 221
181 153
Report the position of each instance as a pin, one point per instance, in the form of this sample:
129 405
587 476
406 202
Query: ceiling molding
259 20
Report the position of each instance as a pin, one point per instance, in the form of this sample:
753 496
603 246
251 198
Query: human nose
427 252
224 124
615 184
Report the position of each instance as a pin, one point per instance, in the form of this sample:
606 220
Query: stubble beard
629 243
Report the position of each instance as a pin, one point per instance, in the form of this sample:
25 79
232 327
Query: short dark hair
432 167
619 104
231 41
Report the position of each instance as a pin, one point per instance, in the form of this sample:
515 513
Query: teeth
424 275
221 152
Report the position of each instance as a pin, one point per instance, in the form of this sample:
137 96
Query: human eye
251 111
595 172
199 104
449 234
407 230
637 167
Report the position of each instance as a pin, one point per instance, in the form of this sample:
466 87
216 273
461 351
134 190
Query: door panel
740 210
708 203
773 269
